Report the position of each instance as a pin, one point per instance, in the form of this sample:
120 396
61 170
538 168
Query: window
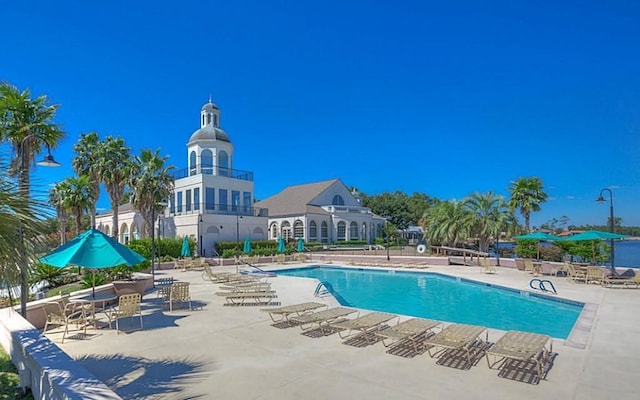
206 162
342 231
324 232
215 120
298 229
337 200
196 199
274 231
188 200
313 231
246 202
179 202
222 198
209 198
192 163
286 231
223 163
208 119
353 231
172 203
235 200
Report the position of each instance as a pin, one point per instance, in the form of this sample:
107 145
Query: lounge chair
366 325
456 337
409 330
322 318
249 298
617 281
522 346
594 275
574 274
486 266
298 309
261 287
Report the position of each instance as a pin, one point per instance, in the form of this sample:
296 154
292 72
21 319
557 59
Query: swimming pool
445 298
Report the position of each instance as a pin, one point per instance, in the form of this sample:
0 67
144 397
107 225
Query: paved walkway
218 352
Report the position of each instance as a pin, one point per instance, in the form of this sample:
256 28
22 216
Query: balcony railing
213 170
219 209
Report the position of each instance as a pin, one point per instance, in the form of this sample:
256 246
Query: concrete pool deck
216 351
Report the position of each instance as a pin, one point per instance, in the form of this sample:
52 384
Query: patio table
91 300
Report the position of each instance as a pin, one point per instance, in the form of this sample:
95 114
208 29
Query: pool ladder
542 285
322 289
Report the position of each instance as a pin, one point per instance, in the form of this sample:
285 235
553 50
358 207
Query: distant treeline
625 230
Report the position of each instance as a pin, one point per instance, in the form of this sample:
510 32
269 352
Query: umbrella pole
93 287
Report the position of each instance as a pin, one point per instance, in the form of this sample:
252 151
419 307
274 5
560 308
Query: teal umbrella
300 246
185 251
593 235
92 249
539 236
247 246
281 247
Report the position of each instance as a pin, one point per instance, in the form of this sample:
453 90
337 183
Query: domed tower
210 151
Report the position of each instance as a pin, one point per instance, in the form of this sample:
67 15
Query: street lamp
153 241
200 234
601 199
47 161
237 240
386 236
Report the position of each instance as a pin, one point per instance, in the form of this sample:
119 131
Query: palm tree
28 125
78 197
489 215
56 199
526 195
114 164
151 183
86 163
447 223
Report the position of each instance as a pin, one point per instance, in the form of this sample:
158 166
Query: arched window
273 231
286 231
215 120
107 230
298 229
313 231
337 200
202 119
192 163
324 232
206 162
364 232
353 231
135 232
124 234
223 163
208 119
342 231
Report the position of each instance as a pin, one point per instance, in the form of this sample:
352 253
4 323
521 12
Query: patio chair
298 309
64 314
179 293
128 306
574 274
594 275
521 346
409 330
457 337
616 281
322 318
486 266
281 258
365 325
528 265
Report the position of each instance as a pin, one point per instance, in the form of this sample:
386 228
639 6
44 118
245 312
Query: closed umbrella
247 246
92 249
300 246
281 246
185 251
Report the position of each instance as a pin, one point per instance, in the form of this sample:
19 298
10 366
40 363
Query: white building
324 212
211 202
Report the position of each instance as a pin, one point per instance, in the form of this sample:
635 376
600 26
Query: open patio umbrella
300 246
593 236
92 249
539 236
185 251
281 246
247 246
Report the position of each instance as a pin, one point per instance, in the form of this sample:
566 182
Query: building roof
297 199
123 208
209 132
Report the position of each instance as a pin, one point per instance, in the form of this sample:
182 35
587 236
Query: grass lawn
65 289
9 380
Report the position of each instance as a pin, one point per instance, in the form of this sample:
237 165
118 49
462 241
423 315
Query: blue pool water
440 297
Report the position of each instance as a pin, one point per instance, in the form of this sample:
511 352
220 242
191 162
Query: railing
213 170
220 209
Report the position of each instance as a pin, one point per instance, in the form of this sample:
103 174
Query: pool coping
578 336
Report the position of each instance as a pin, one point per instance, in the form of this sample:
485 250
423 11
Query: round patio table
91 300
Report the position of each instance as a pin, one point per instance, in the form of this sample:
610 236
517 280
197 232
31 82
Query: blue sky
444 98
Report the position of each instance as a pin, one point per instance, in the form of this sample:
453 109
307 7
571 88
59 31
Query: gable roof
297 199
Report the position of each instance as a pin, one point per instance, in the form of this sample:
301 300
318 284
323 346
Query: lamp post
386 236
237 240
601 199
47 161
200 234
153 244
